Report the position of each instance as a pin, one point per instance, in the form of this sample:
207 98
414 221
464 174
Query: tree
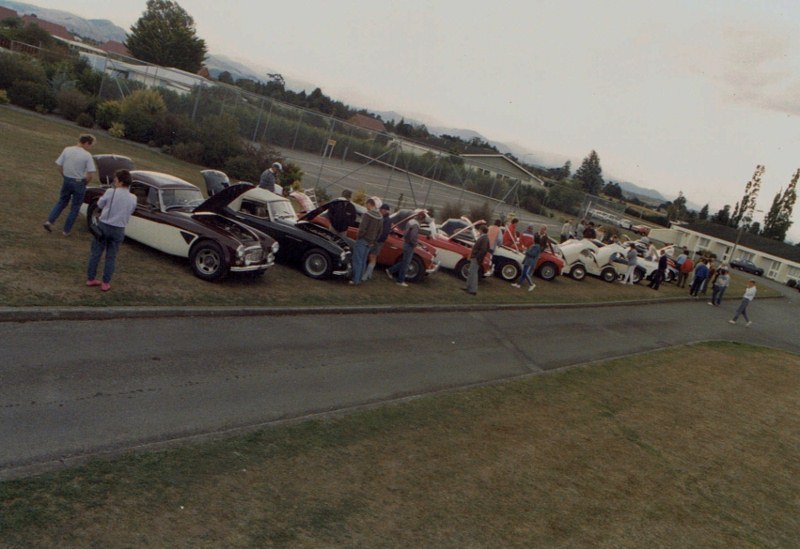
225 77
778 219
559 174
703 215
743 213
613 190
723 217
590 174
165 35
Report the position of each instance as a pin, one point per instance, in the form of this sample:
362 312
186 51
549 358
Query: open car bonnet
219 201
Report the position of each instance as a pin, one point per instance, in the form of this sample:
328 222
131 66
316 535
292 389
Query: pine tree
778 219
703 215
743 212
590 174
165 35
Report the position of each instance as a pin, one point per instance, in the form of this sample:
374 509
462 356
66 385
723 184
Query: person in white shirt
749 295
117 204
76 167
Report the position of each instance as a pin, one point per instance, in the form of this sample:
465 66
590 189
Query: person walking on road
76 167
479 251
397 272
747 298
117 205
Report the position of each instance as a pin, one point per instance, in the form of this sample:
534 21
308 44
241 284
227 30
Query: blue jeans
716 294
473 276
742 310
360 252
70 188
398 270
109 244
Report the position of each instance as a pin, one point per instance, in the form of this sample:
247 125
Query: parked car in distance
643 230
320 253
747 266
172 216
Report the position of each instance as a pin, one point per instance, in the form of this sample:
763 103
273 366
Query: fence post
258 122
297 130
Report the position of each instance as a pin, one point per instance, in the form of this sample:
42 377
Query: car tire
609 274
548 271
208 262
638 275
416 270
317 264
508 271
462 269
578 272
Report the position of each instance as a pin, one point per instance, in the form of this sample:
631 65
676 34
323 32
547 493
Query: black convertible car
319 252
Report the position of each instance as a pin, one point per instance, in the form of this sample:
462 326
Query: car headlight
240 251
275 247
343 256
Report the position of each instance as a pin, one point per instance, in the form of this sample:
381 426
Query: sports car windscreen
281 210
181 198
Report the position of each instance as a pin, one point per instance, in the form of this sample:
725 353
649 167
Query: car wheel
317 264
208 261
416 270
578 272
548 271
462 269
508 271
638 275
609 274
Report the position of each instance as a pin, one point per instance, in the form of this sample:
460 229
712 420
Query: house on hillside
780 261
501 167
6 13
112 46
367 122
56 30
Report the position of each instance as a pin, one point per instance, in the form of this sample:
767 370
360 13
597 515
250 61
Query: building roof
503 157
5 13
758 243
53 28
112 46
367 122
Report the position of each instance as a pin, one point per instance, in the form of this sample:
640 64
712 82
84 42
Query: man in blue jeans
397 272
76 167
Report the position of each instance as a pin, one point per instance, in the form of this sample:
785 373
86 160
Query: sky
675 96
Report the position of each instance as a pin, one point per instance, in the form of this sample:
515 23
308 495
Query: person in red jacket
686 267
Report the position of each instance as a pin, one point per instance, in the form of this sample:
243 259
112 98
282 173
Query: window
140 191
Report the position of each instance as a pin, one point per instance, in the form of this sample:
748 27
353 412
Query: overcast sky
677 96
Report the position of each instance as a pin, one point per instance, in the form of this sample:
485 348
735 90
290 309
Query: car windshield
281 210
181 198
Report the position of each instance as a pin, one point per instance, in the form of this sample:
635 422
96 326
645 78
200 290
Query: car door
152 227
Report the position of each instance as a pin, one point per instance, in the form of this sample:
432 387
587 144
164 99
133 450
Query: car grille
254 255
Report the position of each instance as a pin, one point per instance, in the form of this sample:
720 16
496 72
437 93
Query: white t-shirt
76 162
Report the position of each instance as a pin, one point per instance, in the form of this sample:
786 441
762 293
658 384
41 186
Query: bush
450 211
107 113
172 128
139 112
484 211
3 97
71 103
117 130
220 138
85 120
16 68
32 95
243 168
188 152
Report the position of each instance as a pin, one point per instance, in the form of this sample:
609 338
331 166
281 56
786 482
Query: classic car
642 230
580 257
172 217
320 253
507 261
451 253
747 266
422 264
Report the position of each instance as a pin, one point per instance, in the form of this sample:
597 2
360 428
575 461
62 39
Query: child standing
749 295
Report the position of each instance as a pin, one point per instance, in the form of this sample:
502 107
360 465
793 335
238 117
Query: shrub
85 120
188 152
139 112
16 68
243 168
71 103
484 211
450 211
32 95
107 113
173 128
3 97
117 130
220 138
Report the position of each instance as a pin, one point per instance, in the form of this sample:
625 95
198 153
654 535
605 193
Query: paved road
71 389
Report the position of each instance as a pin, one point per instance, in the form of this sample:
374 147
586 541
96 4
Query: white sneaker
533 286
749 322
515 285
402 284
710 303
731 322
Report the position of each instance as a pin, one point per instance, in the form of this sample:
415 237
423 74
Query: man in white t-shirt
76 167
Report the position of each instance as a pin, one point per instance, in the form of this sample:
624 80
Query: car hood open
218 202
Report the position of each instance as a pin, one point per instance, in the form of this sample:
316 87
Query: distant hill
96 29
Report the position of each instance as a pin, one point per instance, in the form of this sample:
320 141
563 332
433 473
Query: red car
451 253
643 230
422 264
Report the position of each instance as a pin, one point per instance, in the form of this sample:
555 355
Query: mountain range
102 30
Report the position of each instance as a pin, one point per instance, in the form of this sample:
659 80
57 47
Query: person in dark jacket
479 251
368 232
372 259
397 272
661 272
342 213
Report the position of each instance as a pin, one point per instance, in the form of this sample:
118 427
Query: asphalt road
74 389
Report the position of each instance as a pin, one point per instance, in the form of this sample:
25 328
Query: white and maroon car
453 254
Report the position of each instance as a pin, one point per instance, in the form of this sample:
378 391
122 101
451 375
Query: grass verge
693 446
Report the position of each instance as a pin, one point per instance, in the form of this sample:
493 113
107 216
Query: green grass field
41 269
647 451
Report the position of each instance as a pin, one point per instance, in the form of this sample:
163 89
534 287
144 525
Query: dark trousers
658 277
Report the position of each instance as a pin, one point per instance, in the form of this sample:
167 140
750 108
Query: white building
780 261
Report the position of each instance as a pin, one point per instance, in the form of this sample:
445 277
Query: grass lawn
40 269
652 450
